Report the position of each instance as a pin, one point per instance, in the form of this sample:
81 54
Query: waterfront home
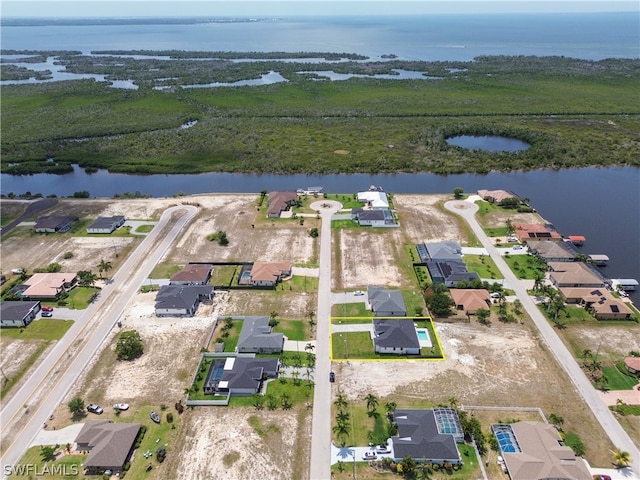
374 200
280 201
550 251
535 232
599 301
497 196
574 274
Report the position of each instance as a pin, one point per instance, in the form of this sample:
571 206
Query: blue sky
157 8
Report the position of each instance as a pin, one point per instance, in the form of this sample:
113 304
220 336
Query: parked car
332 377
369 455
47 314
46 308
121 406
383 449
517 247
357 293
601 477
93 408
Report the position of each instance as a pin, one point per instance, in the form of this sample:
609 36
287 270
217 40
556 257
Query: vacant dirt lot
500 365
422 221
273 446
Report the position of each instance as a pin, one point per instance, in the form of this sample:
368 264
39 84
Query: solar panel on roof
615 309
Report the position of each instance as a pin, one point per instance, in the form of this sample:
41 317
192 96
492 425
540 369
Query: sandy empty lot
421 220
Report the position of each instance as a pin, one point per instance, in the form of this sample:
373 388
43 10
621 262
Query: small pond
491 143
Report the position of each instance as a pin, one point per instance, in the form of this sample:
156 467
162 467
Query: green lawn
616 380
345 345
298 283
67 466
525 266
414 302
231 341
79 298
292 329
164 270
351 310
144 228
496 231
345 224
223 275
483 265
40 329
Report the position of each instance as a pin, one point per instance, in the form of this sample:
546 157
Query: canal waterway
602 204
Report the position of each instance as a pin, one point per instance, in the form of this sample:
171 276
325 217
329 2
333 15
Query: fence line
512 409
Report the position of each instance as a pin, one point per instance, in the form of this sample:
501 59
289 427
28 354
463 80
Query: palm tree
372 402
272 318
341 429
517 307
104 266
342 416
621 458
556 420
587 353
425 471
538 281
453 401
309 347
390 407
340 402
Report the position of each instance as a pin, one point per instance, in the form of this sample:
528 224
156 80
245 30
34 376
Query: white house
375 200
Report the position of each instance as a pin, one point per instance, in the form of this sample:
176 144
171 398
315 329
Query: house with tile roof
18 313
268 274
279 202
535 232
48 286
394 336
599 301
537 452
471 299
256 337
574 274
549 251
181 300
109 444
193 274
497 196
632 364
386 303
422 438
106 224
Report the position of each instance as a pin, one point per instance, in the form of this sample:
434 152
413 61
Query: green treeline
572 112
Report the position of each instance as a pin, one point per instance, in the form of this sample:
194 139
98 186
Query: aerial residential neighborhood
471 340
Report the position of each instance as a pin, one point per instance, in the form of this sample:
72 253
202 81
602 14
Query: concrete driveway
618 436
58 437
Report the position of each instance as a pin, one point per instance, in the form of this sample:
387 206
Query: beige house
599 301
535 232
470 300
573 274
268 274
537 452
496 196
278 202
48 285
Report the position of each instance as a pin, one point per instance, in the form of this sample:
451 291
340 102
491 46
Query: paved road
85 336
32 209
591 396
320 464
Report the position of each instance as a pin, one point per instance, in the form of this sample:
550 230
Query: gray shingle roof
181 296
16 310
395 333
439 251
256 334
419 438
110 443
107 222
382 300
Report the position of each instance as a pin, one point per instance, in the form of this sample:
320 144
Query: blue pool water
422 335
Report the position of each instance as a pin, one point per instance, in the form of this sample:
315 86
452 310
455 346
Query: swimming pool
423 337
506 438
